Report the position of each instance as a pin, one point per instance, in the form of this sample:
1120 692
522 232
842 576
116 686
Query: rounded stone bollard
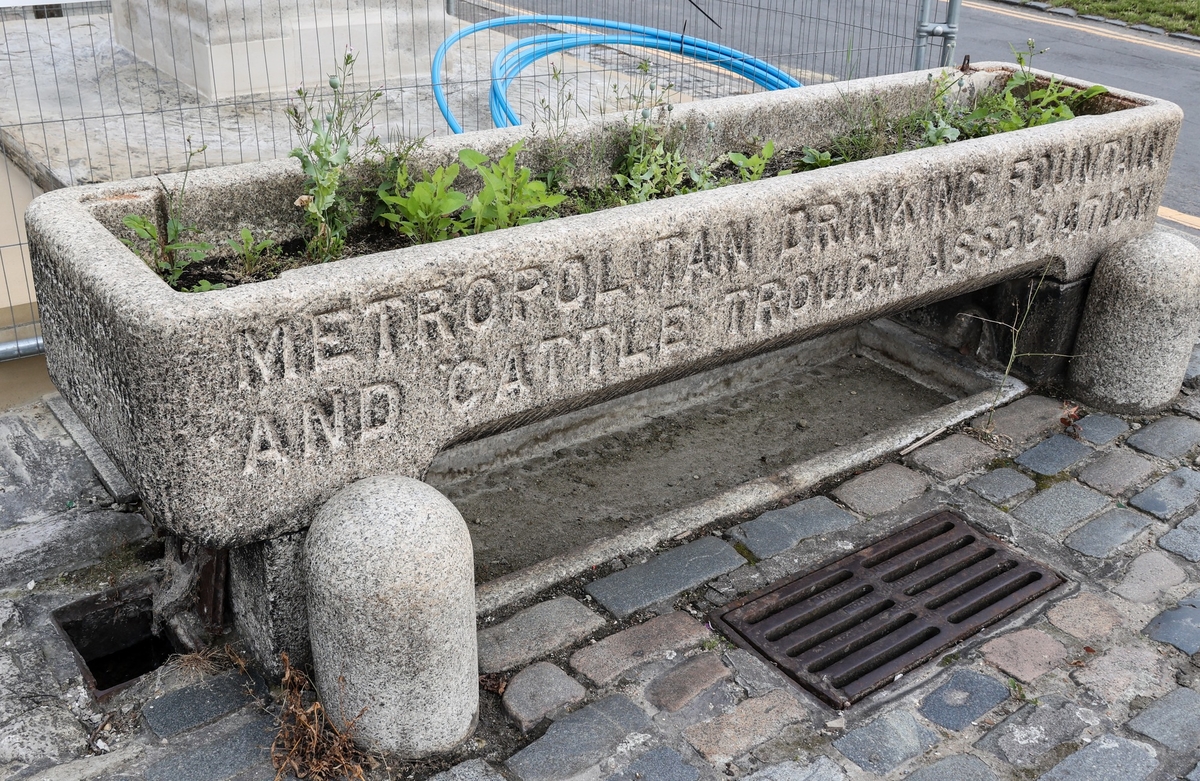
391 610
1139 324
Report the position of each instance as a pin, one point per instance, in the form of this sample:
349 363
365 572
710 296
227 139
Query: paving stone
1000 485
607 659
1101 537
752 722
1107 758
1114 472
953 456
963 699
775 531
1173 721
539 691
882 489
1179 626
1191 375
1053 455
535 631
221 759
1025 654
1125 672
1189 405
579 740
1149 575
1167 437
473 770
823 769
1085 617
1170 495
886 742
753 674
1024 419
679 685
665 575
1029 734
658 764
1060 507
200 703
962 767
1184 539
1195 774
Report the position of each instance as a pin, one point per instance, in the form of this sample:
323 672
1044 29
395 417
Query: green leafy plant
424 210
938 132
253 253
650 168
510 194
752 168
812 159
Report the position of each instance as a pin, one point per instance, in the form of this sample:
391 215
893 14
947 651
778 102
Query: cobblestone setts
1116 471
665 575
1060 507
1184 539
1054 455
1100 538
775 531
887 742
534 632
1001 485
1171 495
882 489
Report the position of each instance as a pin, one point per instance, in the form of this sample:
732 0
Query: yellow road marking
1183 219
1041 18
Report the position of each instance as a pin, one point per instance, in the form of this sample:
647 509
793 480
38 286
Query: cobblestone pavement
622 678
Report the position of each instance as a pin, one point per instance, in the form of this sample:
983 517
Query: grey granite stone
1100 429
1060 507
199 703
886 742
1114 472
1053 455
1184 539
821 769
222 758
660 764
953 456
539 691
605 661
962 767
269 601
1173 720
1149 575
1107 758
1000 485
1168 437
471 770
535 631
1171 495
665 575
751 723
679 685
963 699
579 740
110 477
882 489
1100 538
1024 419
1195 774
777 530
1028 735
1179 626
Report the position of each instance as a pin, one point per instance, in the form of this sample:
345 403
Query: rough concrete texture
539 691
1024 655
391 605
297 386
1086 617
533 632
1125 672
1108 758
881 489
1136 364
1148 576
268 599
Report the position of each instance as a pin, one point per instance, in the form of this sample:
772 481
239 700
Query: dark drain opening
849 628
113 639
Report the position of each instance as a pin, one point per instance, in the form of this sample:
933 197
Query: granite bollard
391 605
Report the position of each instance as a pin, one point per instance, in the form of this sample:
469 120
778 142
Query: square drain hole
852 626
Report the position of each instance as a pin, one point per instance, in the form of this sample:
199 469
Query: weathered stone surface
777 530
1101 537
199 703
882 489
1025 737
221 758
1125 672
1086 616
41 734
1000 485
539 691
822 769
1114 472
1179 626
102 767
963 699
660 764
1060 507
1100 429
269 601
605 661
752 722
1168 437
391 606
1184 539
962 767
1024 419
1170 495
472 770
1025 654
753 674
579 740
676 687
886 742
1136 364
1053 455
535 631
1107 758
665 575
1149 575
1173 721
953 456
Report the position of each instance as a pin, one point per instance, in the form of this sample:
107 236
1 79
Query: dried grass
309 745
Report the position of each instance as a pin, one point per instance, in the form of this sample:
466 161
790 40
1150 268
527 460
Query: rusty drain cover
852 626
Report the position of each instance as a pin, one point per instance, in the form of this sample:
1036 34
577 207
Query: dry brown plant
309 745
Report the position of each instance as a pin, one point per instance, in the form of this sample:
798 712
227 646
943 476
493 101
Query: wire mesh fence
103 91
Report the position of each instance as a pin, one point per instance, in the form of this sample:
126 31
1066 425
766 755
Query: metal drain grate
854 625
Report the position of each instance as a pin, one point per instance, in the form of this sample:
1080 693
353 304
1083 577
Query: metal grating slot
852 626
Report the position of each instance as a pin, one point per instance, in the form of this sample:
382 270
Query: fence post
927 28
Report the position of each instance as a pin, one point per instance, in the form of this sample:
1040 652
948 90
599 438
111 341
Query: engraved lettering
483 299
266 447
466 385
328 425
674 328
333 338
378 411
433 322
528 284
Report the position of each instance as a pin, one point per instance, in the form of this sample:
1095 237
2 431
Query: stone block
200 703
679 685
1112 473
882 489
534 632
538 692
1107 758
1025 654
1027 736
222 758
753 674
951 457
471 770
1124 672
963 699
391 607
1184 539
1171 495
1100 429
962 767
1195 774
777 530
821 769
751 723
606 660
1100 538
1168 437
1001 485
579 740
1060 507
1086 617
886 743
1024 419
665 576
1137 364
1149 576
1054 455
266 592
660 764
1173 720
1179 626
1191 376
